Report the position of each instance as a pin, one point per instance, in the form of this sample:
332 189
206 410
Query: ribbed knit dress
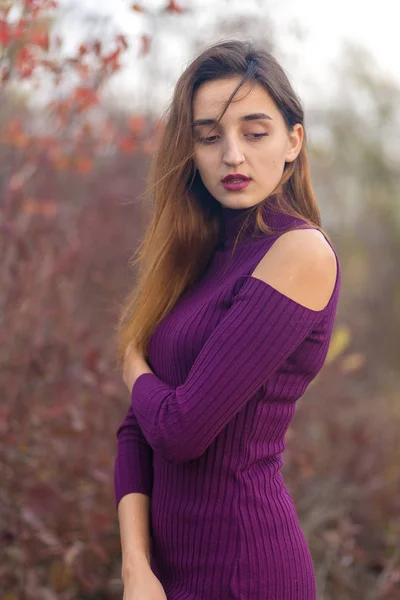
204 434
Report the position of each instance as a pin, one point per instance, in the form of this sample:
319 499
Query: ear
295 142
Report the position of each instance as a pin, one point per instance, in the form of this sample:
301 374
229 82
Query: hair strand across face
183 230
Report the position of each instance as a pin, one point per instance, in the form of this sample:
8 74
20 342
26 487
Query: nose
232 153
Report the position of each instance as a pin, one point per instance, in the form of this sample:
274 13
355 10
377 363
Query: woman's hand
144 585
134 365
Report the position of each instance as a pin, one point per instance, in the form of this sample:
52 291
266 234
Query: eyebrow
252 117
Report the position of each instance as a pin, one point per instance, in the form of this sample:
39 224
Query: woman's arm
134 524
269 318
133 466
133 482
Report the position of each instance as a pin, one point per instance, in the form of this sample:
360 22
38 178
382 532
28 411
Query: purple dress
204 435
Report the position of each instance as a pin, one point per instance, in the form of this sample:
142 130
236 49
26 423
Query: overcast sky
310 58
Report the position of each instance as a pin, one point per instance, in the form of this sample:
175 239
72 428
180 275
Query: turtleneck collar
233 218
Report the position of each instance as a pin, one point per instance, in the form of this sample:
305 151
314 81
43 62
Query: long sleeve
261 329
133 466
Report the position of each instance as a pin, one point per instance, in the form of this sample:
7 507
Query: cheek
198 160
273 156
203 163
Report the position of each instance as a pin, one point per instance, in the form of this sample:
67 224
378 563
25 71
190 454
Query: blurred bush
72 173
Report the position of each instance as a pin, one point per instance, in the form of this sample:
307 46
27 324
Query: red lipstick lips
231 176
235 182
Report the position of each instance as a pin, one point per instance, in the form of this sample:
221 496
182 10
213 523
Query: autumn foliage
72 171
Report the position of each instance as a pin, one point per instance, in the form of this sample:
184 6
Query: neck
232 220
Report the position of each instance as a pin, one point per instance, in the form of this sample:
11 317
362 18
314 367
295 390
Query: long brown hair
184 228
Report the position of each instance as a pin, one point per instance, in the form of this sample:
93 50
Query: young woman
229 322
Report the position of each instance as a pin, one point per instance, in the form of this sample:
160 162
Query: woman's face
244 141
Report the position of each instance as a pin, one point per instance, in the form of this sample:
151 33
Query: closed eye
211 139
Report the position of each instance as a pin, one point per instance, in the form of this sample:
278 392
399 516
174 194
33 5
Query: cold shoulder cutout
301 261
205 432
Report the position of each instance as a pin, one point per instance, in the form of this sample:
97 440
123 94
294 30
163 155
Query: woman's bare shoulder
302 265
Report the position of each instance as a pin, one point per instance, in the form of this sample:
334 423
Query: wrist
131 567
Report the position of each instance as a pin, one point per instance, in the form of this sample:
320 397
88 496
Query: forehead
211 96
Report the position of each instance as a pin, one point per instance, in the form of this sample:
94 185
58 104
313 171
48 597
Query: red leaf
61 162
4 10
84 164
123 41
15 133
137 7
145 44
174 8
82 93
26 71
97 47
127 144
31 207
137 125
20 29
5 36
5 74
85 97
111 57
15 125
52 65
41 39
25 62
